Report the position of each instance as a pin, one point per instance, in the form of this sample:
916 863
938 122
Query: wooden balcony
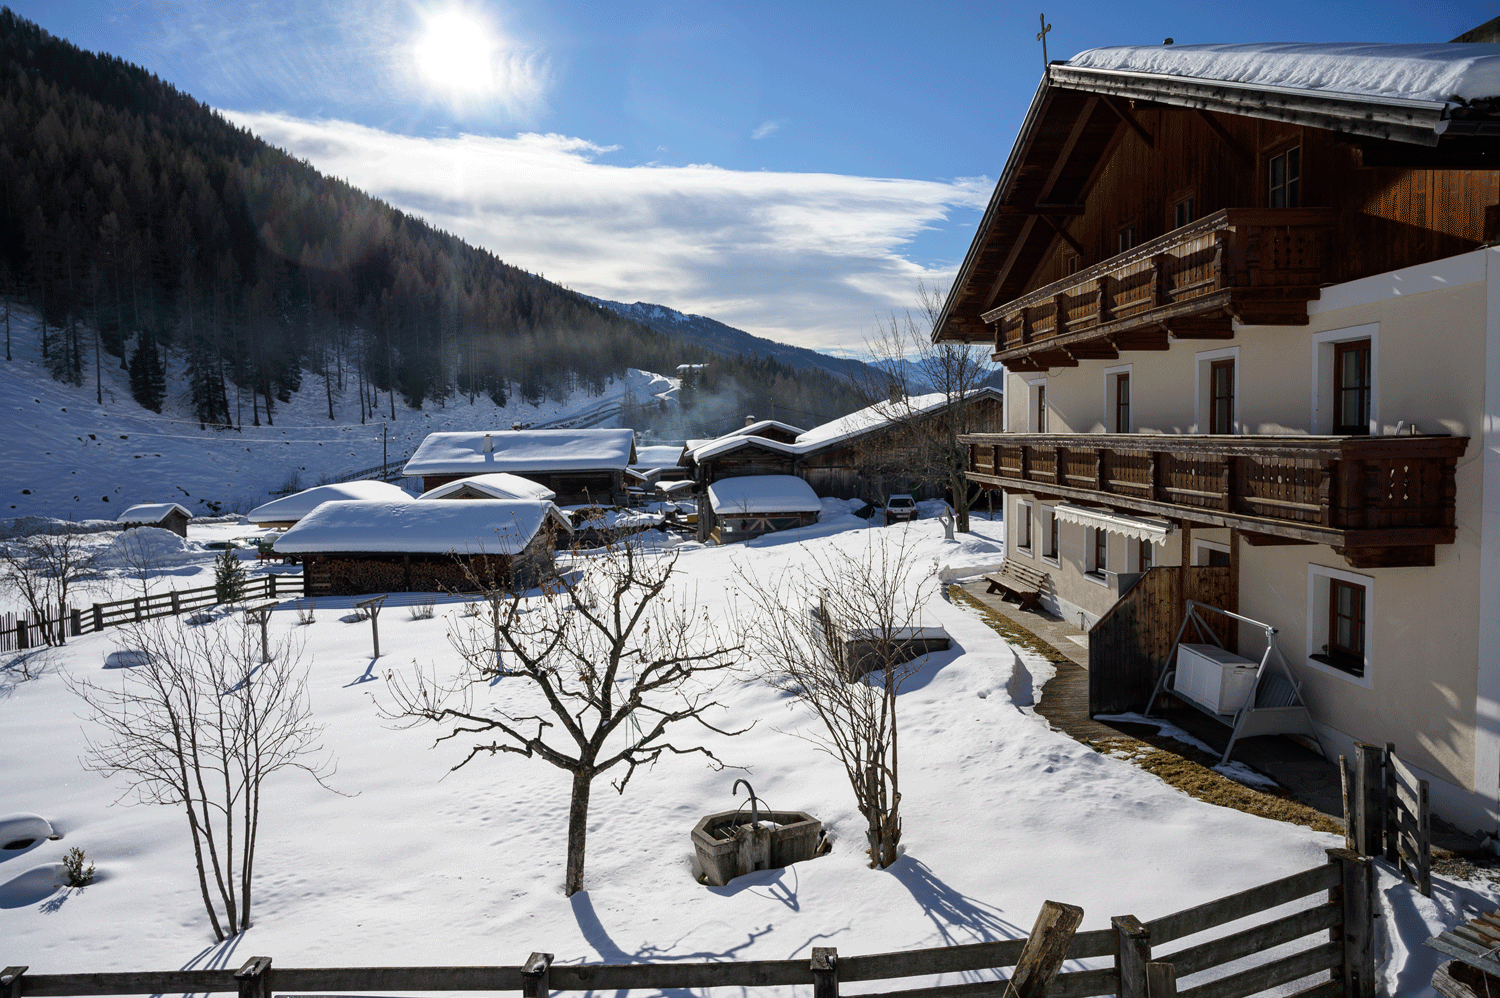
1378 501
1256 265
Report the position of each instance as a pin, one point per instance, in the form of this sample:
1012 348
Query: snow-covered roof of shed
752 429
878 415
763 494
464 526
734 442
1421 72
519 451
151 512
496 485
297 505
657 456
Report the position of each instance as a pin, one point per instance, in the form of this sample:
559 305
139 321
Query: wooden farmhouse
581 466
1248 302
286 511
354 547
868 454
166 515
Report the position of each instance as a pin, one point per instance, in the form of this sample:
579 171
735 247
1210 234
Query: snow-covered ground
414 864
69 456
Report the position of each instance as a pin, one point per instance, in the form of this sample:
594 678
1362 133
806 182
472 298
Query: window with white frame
1117 400
1145 556
1340 622
1036 409
1023 525
1098 552
1218 391
1346 381
1051 528
1210 553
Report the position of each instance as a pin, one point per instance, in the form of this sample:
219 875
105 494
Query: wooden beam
1230 142
1045 950
1010 262
1117 105
1256 540
1392 556
1041 209
1215 326
1061 231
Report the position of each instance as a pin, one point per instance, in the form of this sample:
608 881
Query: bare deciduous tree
615 661
836 637
43 569
914 366
200 722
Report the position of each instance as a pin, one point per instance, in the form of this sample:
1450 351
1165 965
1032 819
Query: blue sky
790 168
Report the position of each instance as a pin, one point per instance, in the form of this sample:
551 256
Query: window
1182 212
1285 176
1051 523
1124 238
1351 387
1122 403
1037 410
1146 555
1340 616
1075 263
1221 396
1023 526
1116 416
1210 553
1098 551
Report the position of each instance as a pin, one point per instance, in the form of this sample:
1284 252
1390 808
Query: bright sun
455 52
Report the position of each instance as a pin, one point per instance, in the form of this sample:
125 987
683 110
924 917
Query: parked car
898 508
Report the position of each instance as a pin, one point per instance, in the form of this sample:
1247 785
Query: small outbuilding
748 507
496 485
351 548
580 466
167 515
286 511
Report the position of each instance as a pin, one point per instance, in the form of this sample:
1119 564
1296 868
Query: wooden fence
1388 812
23 631
1330 939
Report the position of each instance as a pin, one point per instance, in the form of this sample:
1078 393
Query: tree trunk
578 830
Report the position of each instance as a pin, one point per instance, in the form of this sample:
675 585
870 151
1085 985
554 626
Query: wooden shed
351 548
286 511
167 515
580 466
742 508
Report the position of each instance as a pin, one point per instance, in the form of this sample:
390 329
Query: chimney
489 444
749 420
896 393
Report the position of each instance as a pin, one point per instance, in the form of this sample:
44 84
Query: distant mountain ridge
727 341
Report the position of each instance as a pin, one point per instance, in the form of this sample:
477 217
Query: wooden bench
1021 581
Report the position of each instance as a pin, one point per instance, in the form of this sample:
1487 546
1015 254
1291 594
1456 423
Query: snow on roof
497 485
519 451
733 442
465 526
764 424
875 416
763 494
658 456
299 504
150 512
1422 72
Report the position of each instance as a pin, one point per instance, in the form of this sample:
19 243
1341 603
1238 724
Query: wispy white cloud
809 258
769 128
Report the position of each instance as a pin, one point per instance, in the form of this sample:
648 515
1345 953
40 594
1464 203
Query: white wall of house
1433 678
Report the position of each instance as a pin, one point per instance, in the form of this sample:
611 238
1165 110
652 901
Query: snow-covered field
69 456
417 865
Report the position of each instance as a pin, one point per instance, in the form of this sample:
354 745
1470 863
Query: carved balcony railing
1380 501
1257 265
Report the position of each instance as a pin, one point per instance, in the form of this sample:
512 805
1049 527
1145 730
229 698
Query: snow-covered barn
287 510
749 506
167 515
352 547
580 466
496 485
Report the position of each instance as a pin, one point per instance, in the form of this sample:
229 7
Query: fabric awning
1140 528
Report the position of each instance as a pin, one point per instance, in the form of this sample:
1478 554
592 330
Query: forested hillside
143 226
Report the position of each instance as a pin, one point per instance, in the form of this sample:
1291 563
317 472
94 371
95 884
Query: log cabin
581 466
1248 302
166 515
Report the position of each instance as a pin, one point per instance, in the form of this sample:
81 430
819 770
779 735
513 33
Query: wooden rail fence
1389 813
19 632
1330 939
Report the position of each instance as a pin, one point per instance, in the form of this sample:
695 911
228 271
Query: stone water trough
733 843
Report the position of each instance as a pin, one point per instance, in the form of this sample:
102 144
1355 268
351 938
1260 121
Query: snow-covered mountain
68 455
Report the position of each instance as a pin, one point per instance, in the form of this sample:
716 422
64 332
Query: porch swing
1207 676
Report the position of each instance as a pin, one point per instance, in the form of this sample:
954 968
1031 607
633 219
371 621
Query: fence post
1369 817
1045 949
535 974
137 603
98 618
270 587
1133 955
1424 840
825 972
10 982
254 979
75 621
23 633
1392 825
176 604
1357 895
1161 980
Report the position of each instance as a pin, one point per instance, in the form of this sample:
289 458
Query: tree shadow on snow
367 676
770 884
215 957
958 918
